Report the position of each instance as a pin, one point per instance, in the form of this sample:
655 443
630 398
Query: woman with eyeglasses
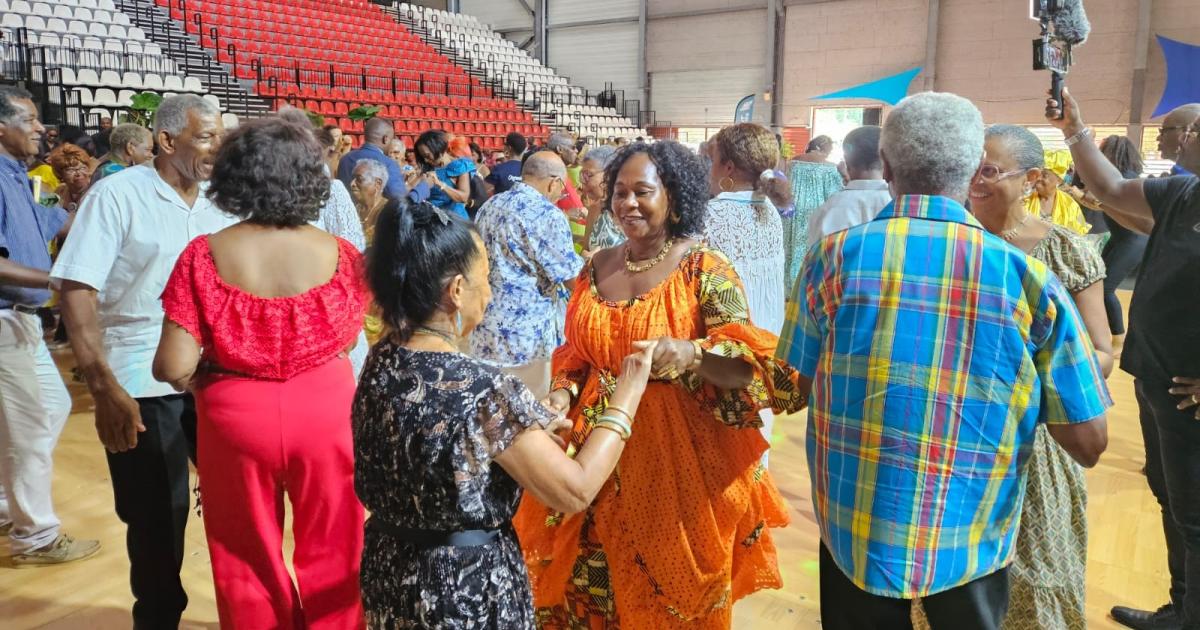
1047 574
73 168
601 231
1051 203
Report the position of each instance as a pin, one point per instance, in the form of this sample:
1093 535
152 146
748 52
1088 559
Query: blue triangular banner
1183 75
890 90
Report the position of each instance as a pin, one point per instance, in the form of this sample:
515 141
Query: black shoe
1165 618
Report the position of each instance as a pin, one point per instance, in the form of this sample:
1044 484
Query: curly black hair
682 174
269 172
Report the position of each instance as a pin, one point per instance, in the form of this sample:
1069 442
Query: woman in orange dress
682 528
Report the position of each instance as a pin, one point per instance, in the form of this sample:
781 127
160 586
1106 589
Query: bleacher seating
332 56
90 54
516 70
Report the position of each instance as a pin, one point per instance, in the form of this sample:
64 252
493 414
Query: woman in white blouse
744 224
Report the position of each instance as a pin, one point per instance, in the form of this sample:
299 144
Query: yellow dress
1066 212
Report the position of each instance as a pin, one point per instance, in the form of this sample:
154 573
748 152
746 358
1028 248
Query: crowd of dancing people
537 389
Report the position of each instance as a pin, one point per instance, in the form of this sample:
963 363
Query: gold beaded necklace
639 267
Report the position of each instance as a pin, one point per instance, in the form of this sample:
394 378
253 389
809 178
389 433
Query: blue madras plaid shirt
935 349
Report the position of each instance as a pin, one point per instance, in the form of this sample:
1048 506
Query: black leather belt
430 538
25 310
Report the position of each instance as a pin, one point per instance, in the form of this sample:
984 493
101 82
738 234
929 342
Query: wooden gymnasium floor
1126 563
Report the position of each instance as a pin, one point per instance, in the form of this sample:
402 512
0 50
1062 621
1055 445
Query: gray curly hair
933 144
601 155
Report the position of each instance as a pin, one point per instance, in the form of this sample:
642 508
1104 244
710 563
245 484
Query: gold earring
675 218
723 186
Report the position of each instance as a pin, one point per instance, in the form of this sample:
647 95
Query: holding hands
672 357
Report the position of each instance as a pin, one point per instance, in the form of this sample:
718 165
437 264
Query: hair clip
441 215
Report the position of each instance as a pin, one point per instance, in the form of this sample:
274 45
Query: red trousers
258 440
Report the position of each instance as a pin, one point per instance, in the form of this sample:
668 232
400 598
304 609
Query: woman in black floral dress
443 443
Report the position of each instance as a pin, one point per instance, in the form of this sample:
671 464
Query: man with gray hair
933 353
533 268
563 144
127 235
130 144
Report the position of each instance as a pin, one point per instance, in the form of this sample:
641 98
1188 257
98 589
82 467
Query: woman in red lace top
259 317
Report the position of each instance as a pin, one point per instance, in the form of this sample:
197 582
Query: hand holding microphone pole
1064 25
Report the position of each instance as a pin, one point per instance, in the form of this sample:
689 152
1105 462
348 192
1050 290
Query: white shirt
127 235
859 202
750 233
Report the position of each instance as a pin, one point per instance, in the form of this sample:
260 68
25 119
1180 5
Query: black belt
25 310
430 538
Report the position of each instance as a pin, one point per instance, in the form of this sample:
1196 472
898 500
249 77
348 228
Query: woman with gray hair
601 231
369 180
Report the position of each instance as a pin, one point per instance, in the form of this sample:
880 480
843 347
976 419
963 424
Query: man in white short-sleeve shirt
863 197
129 231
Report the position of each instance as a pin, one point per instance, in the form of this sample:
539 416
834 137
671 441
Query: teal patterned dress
812 183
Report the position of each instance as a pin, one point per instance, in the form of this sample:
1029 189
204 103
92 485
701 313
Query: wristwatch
1075 139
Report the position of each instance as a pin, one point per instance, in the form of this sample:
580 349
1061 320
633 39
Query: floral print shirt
529 247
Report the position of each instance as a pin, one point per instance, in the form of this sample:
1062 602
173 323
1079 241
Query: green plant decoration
363 113
317 120
142 107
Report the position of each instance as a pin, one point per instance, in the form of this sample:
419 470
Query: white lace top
750 233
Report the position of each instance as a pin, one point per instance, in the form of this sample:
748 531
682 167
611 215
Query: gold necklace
639 267
1012 232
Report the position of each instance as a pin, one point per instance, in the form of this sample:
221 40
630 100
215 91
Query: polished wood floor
1126 562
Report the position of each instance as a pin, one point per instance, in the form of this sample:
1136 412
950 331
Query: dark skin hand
1189 389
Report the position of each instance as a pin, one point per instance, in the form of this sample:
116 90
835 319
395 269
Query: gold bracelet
620 411
698 357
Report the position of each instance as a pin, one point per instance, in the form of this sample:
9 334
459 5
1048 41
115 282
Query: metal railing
453 42
280 80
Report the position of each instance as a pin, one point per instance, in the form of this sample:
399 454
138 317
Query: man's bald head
543 165
379 131
1173 127
545 172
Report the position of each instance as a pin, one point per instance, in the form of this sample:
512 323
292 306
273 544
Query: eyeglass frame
1000 175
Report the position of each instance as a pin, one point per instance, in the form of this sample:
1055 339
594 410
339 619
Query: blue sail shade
890 90
1183 75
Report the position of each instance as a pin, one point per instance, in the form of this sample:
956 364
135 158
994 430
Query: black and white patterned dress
427 426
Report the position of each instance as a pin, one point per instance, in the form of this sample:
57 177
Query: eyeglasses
991 173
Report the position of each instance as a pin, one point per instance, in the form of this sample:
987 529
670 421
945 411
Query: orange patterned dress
682 528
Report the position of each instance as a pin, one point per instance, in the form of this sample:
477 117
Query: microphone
1064 24
1070 22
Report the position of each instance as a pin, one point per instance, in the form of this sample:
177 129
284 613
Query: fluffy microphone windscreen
1070 22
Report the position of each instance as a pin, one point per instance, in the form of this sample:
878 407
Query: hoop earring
675 218
721 184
